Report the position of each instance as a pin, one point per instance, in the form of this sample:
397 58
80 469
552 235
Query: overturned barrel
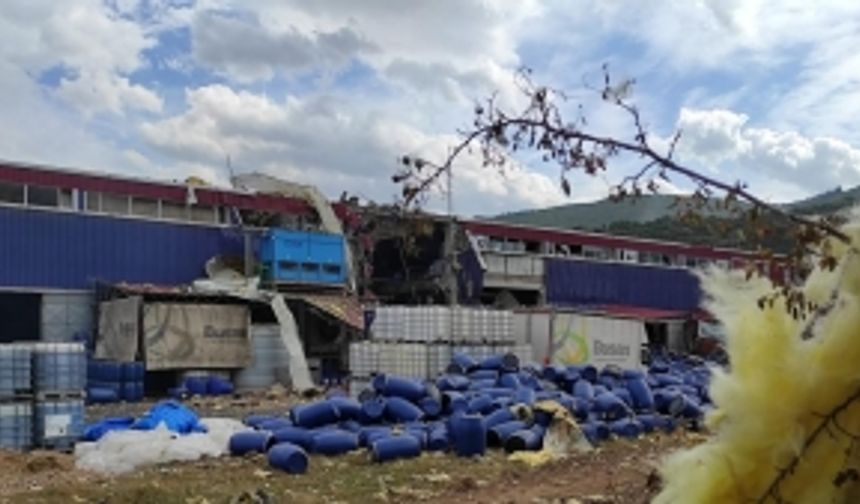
288 457
314 414
498 434
400 410
335 442
525 439
295 435
395 447
246 442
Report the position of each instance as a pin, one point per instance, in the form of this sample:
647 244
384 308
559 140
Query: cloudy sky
330 92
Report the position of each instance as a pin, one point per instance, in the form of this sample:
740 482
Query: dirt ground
618 472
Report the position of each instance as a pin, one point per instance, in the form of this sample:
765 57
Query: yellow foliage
772 399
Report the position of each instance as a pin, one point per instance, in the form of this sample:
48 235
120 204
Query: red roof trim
177 193
643 313
570 237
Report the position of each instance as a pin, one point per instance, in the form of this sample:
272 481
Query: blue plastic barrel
469 434
499 416
395 386
399 410
527 379
437 439
350 426
510 380
589 373
366 395
452 382
501 362
453 402
482 404
525 439
373 410
395 447
624 394
640 393
554 373
314 414
372 430
524 395
669 401
482 384
347 409
583 390
649 422
431 406
335 442
626 427
463 363
497 435
246 442
288 457
215 385
484 374
667 379
610 406
254 420
419 434
295 435
274 423
692 408
596 431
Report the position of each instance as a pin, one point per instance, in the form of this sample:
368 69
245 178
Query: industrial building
67 232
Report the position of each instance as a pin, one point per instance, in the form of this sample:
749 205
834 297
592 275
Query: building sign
587 339
119 328
194 336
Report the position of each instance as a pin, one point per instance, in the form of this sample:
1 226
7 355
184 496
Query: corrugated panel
571 282
70 251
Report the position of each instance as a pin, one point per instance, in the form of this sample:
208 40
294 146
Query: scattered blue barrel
626 427
469 434
242 443
525 395
501 362
583 390
295 435
395 447
102 395
525 439
431 406
288 457
610 406
350 426
623 394
314 414
215 385
596 431
452 382
437 439
462 363
669 401
196 385
347 409
554 373
484 374
275 423
640 392
497 435
395 386
254 420
400 410
482 404
589 373
499 416
369 431
335 442
373 410
510 380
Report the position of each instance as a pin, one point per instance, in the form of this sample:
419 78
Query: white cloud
320 141
723 138
101 92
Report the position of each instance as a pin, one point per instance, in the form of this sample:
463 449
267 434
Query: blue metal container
295 435
242 443
395 447
335 442
314 414
525 439
58 423
59 367
469 434
288 457
16 426
400 410
497 435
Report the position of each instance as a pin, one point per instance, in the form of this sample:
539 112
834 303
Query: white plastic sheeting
123 451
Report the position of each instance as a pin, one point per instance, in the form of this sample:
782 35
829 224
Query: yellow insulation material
773 398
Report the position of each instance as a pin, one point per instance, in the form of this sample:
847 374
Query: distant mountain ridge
655 216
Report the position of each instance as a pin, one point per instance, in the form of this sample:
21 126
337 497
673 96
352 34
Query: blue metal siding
571 282
70 251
